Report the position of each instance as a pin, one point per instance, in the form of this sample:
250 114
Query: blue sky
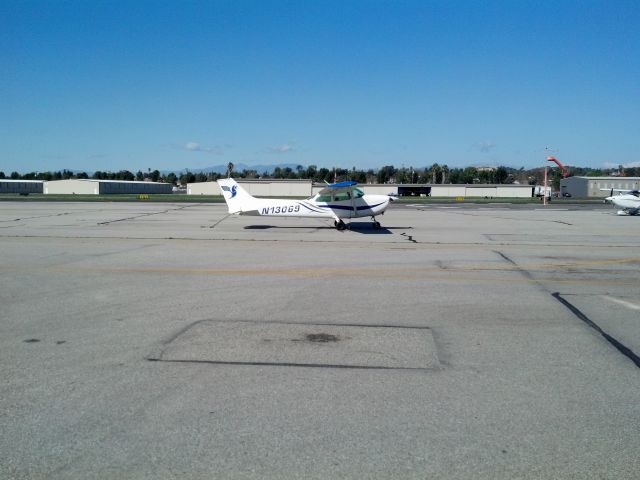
110 85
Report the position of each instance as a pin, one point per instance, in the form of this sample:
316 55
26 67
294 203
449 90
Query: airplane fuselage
628 203
365 206
337 201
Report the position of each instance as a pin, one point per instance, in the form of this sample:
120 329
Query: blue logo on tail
233 190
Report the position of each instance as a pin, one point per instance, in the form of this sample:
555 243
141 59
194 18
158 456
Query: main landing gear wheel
376 225
339 224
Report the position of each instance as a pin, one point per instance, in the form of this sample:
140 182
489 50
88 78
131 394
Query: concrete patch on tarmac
302 345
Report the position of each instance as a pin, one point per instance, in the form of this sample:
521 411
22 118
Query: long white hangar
304 188
81 186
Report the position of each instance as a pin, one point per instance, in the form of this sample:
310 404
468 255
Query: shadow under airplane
357 227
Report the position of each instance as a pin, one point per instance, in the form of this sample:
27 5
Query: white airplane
337 201
627 200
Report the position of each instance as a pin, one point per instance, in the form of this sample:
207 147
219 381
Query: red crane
565 170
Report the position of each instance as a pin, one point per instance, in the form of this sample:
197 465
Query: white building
369 188
467 191
89 186
257 188
598 187
305 189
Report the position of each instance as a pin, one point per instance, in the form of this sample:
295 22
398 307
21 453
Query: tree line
435 174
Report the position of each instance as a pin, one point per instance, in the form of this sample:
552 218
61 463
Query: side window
323 198
358 193
342 196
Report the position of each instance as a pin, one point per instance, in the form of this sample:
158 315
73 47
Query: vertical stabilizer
237 198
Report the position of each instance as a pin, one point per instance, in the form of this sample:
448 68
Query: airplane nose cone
608 200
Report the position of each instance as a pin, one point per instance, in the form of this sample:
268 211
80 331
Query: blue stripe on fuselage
309 208
345 207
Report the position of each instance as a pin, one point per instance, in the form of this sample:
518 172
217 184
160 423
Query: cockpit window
338 197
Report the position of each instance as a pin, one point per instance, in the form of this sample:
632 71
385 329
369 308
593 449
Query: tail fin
237 198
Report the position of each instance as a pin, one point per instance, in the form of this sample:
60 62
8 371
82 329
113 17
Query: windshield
339 196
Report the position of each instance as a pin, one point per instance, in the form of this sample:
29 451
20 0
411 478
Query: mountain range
237 167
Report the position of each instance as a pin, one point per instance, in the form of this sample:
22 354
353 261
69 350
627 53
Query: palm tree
445 171
229 169
435 169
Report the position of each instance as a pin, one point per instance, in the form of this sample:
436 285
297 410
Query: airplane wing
332 188
618 190
621 191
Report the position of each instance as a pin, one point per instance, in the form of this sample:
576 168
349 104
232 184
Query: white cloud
485 146
196 147
284 148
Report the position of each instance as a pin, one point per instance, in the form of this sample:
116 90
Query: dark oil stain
32 340
322 337
60 342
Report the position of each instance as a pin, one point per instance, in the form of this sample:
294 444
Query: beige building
369 188
257 188
203 188
596 187
305 189
467 191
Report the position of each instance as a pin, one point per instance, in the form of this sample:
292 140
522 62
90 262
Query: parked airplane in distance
627 200
338 201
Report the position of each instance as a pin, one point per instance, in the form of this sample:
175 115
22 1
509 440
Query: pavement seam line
626 351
